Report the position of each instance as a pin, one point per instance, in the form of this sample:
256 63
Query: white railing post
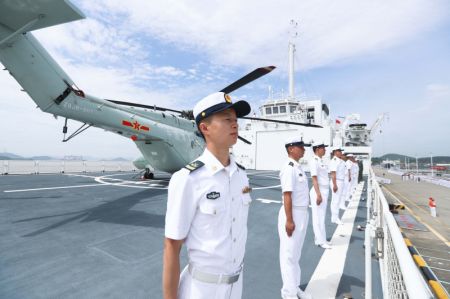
367 244
5 167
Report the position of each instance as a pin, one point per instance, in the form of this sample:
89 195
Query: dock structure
427 237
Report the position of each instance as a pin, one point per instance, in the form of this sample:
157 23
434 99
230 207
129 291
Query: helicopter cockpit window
275 110
268 110
282 109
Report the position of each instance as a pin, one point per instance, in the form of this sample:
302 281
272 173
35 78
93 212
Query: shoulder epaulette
291 164
194 165
240 166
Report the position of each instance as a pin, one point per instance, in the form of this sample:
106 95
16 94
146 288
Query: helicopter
167 138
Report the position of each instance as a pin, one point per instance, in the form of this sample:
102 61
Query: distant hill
10 156
42 158
421 160
118 159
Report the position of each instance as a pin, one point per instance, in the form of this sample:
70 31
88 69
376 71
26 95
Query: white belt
213 278
300 207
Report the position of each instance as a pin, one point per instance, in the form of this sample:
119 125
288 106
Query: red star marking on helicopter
135 125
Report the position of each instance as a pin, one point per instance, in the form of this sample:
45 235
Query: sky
365 57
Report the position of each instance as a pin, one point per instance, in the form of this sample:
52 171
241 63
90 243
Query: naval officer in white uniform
319 193
293 218
347 181
337 173
207 210
354 171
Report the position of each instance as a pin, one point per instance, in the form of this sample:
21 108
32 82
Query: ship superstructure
266 151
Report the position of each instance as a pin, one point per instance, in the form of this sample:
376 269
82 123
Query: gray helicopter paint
168 142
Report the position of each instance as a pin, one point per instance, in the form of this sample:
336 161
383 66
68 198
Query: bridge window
275 110
282 109
292 108
268 110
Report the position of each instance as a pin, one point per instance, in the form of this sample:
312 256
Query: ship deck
100 235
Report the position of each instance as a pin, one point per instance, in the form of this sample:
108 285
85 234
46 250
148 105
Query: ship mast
291 59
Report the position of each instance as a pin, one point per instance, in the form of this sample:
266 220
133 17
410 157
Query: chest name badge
300 174
213 195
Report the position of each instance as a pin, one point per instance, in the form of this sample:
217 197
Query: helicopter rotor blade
282 122
259 72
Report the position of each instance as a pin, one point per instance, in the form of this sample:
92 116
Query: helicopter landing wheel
148 175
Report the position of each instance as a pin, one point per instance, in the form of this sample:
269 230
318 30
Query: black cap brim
298 144
242 108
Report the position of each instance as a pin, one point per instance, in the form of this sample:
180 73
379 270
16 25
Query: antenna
293 36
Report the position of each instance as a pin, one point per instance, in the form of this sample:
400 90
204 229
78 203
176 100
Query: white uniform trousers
291 249
318 214
345 194
191 288
336 199
354 183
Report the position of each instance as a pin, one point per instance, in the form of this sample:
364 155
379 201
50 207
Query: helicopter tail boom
24 57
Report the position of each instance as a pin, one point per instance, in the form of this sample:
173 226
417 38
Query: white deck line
325 280
54 188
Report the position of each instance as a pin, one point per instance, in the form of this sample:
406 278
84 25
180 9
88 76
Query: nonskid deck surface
101 235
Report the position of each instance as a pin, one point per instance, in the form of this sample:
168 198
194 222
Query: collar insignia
194 165
227 98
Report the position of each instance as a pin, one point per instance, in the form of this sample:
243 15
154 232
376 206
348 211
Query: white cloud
110 54
438 91
255 32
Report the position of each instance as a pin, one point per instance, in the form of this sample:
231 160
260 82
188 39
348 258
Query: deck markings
111 180
432 249
53 188
447 270
325 280
443 239
81 175
264 200
410 201
433 257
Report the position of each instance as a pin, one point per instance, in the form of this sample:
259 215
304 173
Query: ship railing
62 166
400 277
